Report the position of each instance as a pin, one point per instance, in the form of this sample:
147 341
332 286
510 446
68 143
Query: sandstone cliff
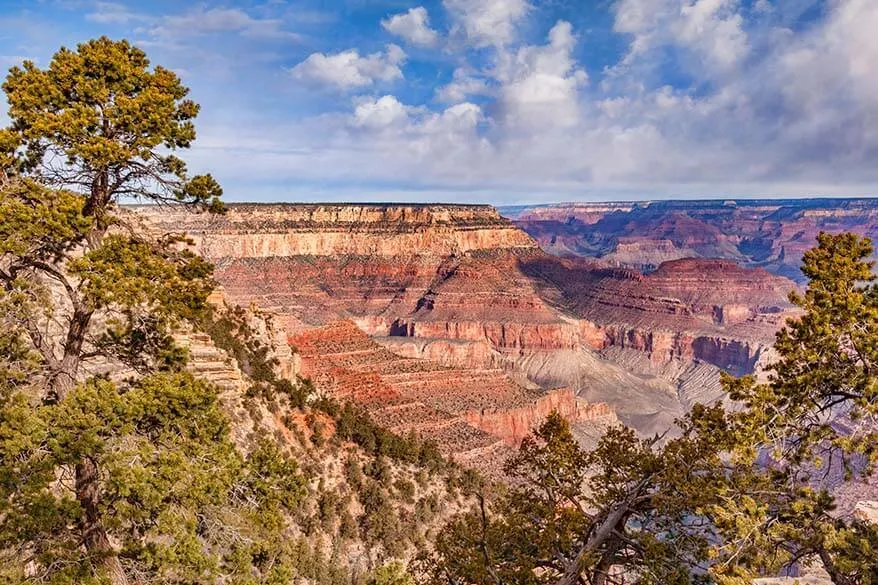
263 231
469 412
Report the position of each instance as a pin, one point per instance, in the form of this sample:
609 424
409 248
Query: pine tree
815 419
630 511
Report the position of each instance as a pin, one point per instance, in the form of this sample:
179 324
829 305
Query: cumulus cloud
348 70
540 83
711 30
112 13
413 26
465 83
388 113
381 113
488 22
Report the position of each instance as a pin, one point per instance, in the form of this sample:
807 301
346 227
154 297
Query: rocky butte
450 315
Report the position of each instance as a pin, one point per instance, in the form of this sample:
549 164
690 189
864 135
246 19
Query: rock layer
469 412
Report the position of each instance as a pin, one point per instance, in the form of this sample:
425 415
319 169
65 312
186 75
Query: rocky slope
334 528
763 233
464 287
472 413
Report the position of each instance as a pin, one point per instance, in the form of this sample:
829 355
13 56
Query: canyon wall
264 231
468 411
460 287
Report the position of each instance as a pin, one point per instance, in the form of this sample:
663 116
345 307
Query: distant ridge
513 211
757 233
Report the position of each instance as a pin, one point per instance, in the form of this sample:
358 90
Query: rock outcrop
264 231
468 412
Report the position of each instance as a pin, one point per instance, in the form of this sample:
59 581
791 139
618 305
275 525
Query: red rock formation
515 424
770 233
465 410
265 231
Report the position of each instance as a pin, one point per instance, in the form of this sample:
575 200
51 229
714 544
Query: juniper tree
97 125
83 288
630 511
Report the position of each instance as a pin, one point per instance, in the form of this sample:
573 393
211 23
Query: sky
504 101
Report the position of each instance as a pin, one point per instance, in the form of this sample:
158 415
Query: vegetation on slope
116 464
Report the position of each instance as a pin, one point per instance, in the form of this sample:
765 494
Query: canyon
451 321
769 233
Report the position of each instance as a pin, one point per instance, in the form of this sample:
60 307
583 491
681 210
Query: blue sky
505 101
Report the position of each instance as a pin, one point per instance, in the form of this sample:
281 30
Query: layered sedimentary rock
461 286
469 412
263 231
767 233
712 311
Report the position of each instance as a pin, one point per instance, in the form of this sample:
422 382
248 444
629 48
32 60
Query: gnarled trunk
94 536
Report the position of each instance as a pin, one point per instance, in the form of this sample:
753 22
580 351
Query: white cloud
763 6
112 13
540 83
413 26
714 29
388 113
797 115
348 70
464 84
488 22
384 112
201 21
710 30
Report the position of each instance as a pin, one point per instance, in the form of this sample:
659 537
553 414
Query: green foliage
133 479
828 356
390 574
784 513
95 126
628 506
111 120
273 480
231 332
355 425
38 223
162 448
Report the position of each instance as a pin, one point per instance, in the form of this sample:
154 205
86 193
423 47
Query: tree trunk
595 541
64 377
87 478
94 536
602 569
835 575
